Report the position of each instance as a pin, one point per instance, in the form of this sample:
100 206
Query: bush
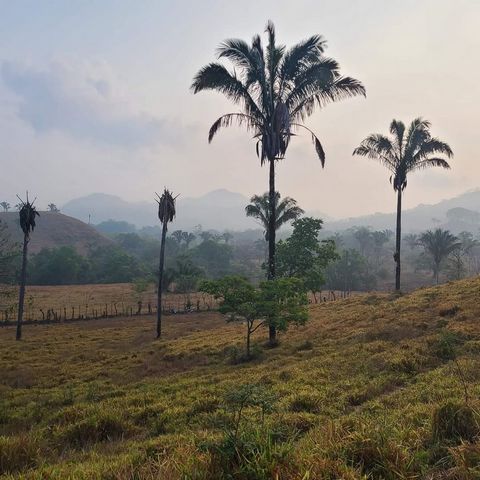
252 453
18 453
445 347
94 429
305 402
454 422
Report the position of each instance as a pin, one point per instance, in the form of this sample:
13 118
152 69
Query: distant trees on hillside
53 208
406 151
5 206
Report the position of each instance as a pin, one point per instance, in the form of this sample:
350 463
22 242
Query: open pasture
353 394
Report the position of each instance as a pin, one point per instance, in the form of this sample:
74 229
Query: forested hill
56 230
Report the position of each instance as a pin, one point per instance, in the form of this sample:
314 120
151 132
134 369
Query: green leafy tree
406 151
281 302
304 256
276 89
5 206
166 214
438 245
59 266
286 210
214 257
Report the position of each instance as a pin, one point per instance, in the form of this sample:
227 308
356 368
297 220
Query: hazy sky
94 97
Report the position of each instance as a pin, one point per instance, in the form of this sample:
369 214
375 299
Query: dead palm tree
166 213
276 89
27 216
438 244
286 210
404 152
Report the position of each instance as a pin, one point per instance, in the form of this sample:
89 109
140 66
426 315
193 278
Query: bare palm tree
27 215
404 152
166 213
438 244
276 89
286 210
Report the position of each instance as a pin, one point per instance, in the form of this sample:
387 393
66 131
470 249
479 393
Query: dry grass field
377 386
88 299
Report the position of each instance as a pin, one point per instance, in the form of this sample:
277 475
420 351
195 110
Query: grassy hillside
56 230
372 387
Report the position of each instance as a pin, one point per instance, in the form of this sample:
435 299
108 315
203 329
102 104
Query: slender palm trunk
272 331
398 239
160 280
23 281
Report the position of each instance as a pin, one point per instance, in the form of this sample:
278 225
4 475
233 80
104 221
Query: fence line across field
97 310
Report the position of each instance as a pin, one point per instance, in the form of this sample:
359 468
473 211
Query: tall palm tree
27 215
404 152
166 213
286 210
5 206
439 244
275 89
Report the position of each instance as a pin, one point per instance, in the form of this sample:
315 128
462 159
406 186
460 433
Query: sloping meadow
379 386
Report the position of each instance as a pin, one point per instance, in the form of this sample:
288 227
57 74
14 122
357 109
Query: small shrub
203 405
18 453
159 424
446 345
306 345
454 422
253 453
235 355
299 423
94 429
305 402
449 311
285 375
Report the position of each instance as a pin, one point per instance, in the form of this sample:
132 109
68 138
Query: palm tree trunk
23 281
160 280
398 239
272 331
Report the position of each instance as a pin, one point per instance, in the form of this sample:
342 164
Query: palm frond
316 143
430 162
216 77
227 119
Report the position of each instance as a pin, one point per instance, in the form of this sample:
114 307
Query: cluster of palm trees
276 89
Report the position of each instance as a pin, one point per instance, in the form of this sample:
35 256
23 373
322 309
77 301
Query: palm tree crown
275 88
27 215
166 207
406 151
286 210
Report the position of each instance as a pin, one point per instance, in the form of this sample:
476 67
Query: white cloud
84 102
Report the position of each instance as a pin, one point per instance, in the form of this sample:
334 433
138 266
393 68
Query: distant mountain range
461 213
224 210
